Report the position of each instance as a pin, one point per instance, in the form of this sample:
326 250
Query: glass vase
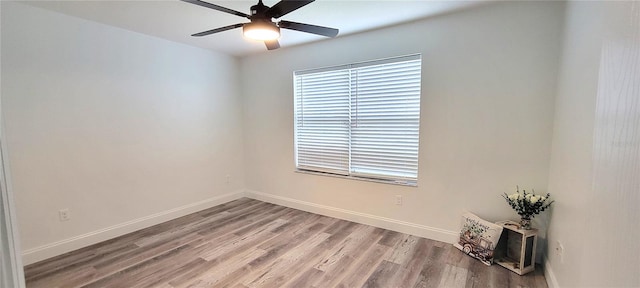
525 223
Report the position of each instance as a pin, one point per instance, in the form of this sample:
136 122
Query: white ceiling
176 20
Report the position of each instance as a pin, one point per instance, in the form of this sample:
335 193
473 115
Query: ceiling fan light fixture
262 31
262 26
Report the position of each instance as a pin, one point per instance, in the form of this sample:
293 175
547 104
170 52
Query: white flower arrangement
527 204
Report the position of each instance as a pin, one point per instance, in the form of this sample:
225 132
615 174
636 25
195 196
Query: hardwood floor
248 243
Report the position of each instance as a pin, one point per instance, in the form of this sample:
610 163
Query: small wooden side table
516 249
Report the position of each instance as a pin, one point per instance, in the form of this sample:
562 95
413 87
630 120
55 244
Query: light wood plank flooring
248 243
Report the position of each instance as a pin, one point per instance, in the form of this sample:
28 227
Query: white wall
11 270
596 151
123 129
488 88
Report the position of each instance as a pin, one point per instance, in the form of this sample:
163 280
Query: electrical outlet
559 251
227 179
64 215
399 200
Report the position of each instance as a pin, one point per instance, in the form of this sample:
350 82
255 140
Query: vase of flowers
527 205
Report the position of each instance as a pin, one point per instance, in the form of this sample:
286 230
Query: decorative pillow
478 238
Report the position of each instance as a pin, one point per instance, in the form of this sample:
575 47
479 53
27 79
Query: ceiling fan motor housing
259 11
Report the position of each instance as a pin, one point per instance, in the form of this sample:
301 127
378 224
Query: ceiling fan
262 27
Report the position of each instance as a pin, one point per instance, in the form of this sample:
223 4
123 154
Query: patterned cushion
478 238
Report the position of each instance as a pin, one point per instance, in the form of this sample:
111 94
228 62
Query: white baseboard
358 217
36 254
552 282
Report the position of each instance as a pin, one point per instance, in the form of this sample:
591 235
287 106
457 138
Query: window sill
376 180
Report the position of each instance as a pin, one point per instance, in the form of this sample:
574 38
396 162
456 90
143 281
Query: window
360 120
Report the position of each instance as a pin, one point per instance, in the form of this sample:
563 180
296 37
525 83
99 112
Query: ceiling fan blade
216 7
225 28
314 29
285 7
272 44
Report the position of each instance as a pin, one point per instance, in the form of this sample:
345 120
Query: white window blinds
360 120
